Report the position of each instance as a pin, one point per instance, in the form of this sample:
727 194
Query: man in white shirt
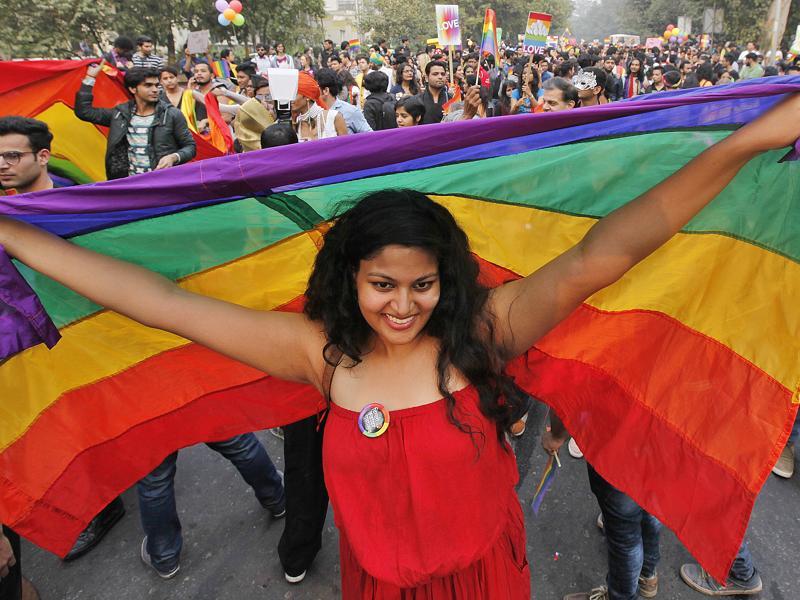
262 59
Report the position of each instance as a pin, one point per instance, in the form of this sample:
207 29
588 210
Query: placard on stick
536 32
448 26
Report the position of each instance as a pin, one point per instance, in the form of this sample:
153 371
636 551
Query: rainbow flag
489 38
45 90
679 382
355 46
223 69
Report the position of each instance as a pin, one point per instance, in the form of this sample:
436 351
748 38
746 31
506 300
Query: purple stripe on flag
23 320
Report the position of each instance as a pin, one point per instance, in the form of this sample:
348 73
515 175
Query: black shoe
97 529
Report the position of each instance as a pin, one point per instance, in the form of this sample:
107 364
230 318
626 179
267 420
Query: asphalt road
230 542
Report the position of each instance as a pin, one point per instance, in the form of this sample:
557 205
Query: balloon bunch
673 34
230 13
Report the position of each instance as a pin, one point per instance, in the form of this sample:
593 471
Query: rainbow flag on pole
489 43
679 381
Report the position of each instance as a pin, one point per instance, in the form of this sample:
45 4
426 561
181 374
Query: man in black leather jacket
145 133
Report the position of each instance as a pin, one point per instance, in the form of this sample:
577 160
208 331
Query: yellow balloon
229 14
676 31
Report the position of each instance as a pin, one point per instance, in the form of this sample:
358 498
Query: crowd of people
341 92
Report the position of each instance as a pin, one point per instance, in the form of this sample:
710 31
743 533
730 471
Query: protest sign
197 42
536 32
448 27
653 42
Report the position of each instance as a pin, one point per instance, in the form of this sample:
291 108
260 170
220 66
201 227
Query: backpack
388 118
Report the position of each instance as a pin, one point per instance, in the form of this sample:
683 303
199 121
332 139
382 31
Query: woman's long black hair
461 321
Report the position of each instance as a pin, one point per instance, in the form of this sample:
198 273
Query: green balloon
238 20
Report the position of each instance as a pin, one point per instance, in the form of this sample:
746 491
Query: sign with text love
536 32
448 26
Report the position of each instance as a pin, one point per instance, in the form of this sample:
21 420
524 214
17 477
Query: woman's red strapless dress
426 511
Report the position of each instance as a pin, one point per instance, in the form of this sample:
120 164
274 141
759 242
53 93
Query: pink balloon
236 5
221 5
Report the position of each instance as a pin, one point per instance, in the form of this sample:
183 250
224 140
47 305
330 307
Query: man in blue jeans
632 534
632 539
161 547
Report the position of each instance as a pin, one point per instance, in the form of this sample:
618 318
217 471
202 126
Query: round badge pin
373 420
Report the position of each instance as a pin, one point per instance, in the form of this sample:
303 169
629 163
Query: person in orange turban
310 114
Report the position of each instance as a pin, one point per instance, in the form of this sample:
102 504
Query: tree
296 23
593 19
389 19
649 18
50 28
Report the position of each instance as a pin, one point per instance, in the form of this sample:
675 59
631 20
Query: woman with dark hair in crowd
281 60
505 98
526 96
406 76
633 82
705 75
458 77
409 110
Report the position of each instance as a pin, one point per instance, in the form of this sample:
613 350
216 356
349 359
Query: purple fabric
23 320
256 172
794 153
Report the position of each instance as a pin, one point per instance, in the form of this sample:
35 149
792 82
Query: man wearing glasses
24 154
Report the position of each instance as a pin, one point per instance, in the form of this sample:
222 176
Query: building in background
341 20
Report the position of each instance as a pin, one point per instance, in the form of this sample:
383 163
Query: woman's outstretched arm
528 308
286 345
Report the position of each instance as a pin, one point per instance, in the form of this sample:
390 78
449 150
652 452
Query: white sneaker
601 525
785 465
574 450
295 579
